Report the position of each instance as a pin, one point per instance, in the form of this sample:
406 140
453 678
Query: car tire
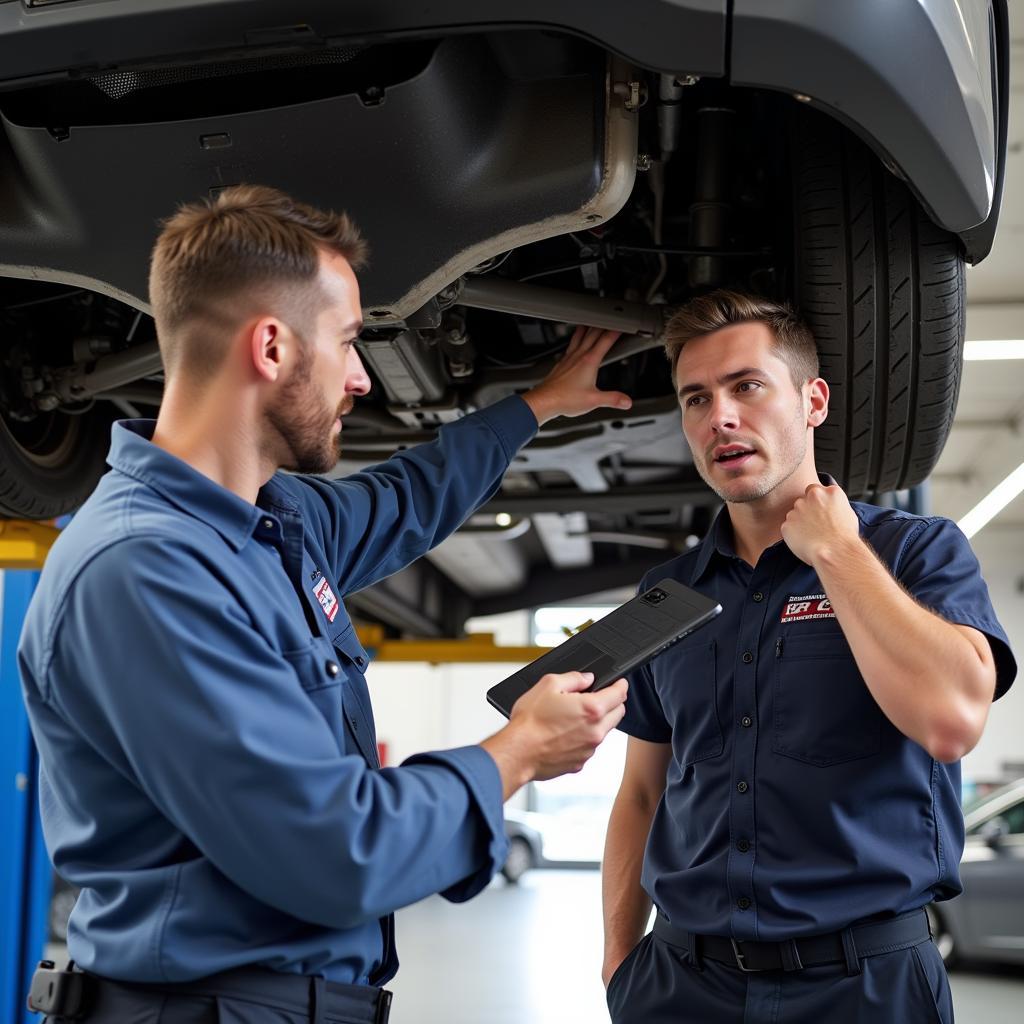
519 859
50 465
941 936
883 290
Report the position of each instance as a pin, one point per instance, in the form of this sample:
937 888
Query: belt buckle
738 954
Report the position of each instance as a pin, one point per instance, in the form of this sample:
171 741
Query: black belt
868 938
312 997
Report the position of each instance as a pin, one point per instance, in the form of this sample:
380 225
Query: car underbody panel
860 62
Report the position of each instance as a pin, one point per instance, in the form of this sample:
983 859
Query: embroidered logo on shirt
807 606
326 597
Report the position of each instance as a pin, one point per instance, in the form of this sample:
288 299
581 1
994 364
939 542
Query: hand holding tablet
620 642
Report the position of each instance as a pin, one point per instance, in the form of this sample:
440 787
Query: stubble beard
304 423
789 458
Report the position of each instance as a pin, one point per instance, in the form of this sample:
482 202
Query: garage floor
530 954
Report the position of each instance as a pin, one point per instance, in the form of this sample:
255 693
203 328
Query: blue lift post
25 872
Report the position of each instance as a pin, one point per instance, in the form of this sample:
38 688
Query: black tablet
620 642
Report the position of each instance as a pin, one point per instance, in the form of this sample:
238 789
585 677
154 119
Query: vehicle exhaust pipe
504 296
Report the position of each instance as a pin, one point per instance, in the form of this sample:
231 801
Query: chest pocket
323 685
314 665
824 713
686 679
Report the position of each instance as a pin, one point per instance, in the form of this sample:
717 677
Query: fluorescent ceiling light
994 350
994 502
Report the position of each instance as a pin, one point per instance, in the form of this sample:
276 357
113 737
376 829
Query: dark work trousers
234 997
659 984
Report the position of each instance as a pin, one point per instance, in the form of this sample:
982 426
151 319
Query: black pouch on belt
59 993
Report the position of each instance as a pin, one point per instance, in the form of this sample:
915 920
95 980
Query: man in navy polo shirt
790 800
209 772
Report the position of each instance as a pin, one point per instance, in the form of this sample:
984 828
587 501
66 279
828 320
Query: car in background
525 845
986 921
569 837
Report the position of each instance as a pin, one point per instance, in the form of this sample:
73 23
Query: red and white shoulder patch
326 597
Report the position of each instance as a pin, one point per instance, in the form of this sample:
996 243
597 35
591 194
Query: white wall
420 707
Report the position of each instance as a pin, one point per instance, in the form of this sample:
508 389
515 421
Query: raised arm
373 523
933 678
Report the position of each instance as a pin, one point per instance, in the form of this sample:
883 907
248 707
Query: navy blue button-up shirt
792 805
209 774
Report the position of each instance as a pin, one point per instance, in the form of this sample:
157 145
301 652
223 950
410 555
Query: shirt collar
720 537
133 453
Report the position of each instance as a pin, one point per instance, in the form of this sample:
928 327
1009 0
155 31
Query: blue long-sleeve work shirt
209 774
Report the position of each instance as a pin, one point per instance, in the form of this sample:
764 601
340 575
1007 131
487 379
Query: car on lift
986 921
518 167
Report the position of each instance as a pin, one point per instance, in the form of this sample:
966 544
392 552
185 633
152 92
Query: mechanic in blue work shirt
790 799
209 773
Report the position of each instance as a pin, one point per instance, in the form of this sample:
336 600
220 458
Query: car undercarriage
512 183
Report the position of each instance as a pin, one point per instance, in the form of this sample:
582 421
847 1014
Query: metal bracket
634 94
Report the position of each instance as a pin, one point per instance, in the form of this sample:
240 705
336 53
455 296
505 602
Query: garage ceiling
987 439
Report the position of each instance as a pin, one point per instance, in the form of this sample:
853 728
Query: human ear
267 346
817 395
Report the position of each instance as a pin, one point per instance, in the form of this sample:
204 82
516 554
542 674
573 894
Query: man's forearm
931 682
513 762
626 906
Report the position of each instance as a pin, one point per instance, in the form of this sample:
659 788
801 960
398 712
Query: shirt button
332 668
742 846
742 787
757 595
747 657
746 721
268 524
359 661
743 903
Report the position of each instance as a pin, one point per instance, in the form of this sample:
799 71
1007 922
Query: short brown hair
794 342
250 238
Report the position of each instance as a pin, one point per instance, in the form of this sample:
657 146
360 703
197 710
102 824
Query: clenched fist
820 521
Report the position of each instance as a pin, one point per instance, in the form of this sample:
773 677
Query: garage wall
431 707
422 707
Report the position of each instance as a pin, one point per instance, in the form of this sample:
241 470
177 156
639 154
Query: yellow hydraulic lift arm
477 647
25 545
